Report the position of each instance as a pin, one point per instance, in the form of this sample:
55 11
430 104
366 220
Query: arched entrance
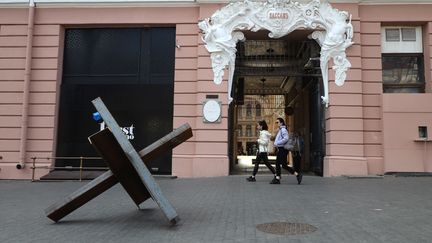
332 29
276 78
315 20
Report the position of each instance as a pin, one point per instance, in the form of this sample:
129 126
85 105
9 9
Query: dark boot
275 181
299 178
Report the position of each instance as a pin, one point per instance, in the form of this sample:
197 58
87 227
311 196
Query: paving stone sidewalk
227 209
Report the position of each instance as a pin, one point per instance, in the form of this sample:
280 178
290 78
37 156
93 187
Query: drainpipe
26 91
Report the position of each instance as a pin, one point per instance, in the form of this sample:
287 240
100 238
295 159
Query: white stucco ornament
333 32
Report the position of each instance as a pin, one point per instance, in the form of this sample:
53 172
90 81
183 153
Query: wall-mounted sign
212 111
128 131
277 14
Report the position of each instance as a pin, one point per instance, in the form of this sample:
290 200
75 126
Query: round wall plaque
211 111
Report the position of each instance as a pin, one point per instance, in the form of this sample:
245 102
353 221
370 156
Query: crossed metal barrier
127 167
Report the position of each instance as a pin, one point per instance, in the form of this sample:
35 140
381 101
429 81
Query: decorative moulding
333 32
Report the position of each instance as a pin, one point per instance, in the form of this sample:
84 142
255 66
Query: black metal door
317 129
132 70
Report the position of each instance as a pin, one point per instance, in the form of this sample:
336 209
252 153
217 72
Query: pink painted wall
401 114
345 116
193 80
206 154
403 150
361 133
42 100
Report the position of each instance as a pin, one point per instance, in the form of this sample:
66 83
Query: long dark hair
281 121
263 125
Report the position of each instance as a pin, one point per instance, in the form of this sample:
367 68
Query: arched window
248 110
240 112
249 131
240 130
258 110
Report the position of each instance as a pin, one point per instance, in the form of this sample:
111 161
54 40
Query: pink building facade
372 126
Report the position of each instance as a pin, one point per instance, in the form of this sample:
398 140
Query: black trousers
281 160
297 161
262 157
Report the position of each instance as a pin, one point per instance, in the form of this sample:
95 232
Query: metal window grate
408 34
392 34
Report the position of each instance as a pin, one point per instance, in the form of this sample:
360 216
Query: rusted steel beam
137 163
109 149
81 196
123 170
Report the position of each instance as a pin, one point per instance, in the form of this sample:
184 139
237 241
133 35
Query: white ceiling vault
330 27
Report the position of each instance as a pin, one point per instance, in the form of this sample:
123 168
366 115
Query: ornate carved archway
333 32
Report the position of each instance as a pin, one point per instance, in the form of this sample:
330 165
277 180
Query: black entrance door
132 70
317 128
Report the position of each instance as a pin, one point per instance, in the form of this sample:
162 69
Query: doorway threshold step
72 175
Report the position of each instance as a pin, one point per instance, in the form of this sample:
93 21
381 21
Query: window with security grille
392 34
402 59
403 73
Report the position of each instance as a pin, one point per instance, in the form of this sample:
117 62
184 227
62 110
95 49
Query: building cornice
99 3
187 2
172 3
377 2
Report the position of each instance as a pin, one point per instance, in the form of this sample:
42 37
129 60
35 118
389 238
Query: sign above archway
333 32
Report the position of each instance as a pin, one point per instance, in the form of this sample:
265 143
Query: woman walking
297 153
262 154
281 156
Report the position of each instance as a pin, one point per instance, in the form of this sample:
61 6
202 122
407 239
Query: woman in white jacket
262 154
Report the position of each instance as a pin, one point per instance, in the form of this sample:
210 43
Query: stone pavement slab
227 209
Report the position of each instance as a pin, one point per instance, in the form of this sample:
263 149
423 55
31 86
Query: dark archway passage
277 78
